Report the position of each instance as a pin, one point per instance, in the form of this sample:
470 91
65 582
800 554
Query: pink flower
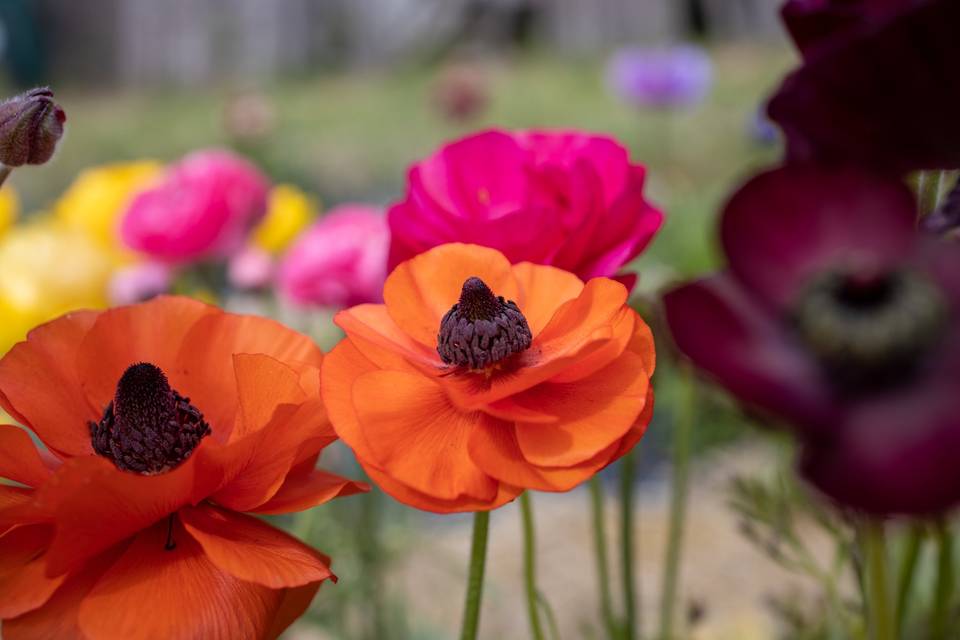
250 269
139 282
340 261
568 199
204 208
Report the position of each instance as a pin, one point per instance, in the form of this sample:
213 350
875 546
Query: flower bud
30 126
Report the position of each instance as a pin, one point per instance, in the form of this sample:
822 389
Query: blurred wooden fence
188 42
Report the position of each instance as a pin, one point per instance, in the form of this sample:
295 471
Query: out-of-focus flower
163 423
339 261
868 94
816 23
249 116
139 282
9 208
679 76
47 269
289 211
761 128
460 92
205 207
569 199
251 268
836 316
538 388
99 196
31 124
946 219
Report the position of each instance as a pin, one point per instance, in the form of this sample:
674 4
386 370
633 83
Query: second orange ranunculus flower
479 379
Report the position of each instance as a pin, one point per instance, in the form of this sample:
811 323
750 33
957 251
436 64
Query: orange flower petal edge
443 437
163 422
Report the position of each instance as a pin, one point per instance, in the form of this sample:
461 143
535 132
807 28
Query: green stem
929 194
627 473
478 558
944 594
908 568
878 607
529 566
678 505
600 552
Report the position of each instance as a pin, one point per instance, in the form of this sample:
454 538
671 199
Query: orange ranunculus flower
537 385
162 422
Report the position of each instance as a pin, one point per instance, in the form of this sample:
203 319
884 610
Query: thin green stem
4 174
627 474
908 568
944 594
530 566
678 505
878 606
929 193
478 559
600 553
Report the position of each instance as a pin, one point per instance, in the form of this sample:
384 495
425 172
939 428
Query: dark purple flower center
148 428
482 328
870 328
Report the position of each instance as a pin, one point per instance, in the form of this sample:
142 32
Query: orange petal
638 429
623 327
270 460
494 449
205 358
58 617
372 329
341 368
421 290
252 550
294 603
544 290
19 459
41 388
304 492
644 345
151 592
594 413
263 384
24 585
418 437
17 508
577 320
96 505
147 332
413 498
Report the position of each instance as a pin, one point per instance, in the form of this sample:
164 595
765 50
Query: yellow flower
9 208
289 212
98 196
47 269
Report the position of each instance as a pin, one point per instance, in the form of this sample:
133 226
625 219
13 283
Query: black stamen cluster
148 428
482 328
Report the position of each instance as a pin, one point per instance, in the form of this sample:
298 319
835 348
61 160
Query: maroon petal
816 23
896 455
883 95
739 343
790 224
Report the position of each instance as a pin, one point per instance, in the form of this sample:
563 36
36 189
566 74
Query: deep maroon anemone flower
877 86
838 318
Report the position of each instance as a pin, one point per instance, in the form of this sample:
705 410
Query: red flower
162 422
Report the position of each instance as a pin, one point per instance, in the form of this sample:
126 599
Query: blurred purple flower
678 76
838 318
250 269
878 84
762 129
139 282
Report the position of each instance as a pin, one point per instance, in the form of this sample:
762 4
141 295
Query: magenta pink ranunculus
568 199
204 208
340 261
